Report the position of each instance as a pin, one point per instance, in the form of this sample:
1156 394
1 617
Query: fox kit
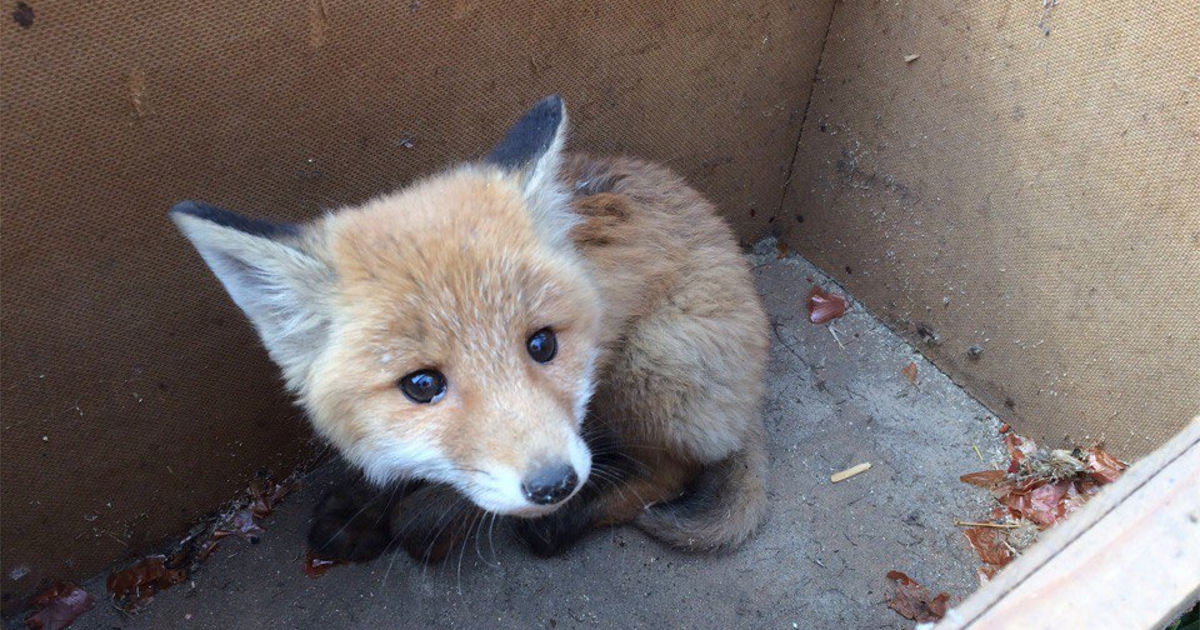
569 340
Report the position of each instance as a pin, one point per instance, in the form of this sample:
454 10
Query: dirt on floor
837 397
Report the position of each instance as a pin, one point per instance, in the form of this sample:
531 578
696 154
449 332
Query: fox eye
423 386
542 345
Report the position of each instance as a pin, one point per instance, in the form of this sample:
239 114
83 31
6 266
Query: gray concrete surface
836 397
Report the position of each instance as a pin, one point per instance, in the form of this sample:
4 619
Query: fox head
445 332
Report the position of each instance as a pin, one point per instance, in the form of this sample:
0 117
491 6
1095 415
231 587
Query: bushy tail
726 506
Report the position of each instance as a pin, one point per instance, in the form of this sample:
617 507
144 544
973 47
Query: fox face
447 332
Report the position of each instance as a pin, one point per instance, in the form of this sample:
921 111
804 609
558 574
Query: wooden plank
1128 560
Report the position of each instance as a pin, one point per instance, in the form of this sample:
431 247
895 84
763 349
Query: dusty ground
819 563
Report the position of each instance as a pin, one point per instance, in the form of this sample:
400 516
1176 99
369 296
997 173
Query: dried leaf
910 372
984 478
1042 505
1002 491
987 572
912 600
242 525
315 566
824 306
264 500
989 544
1102 467
1018 448
58 607
139 583
782 250
939 605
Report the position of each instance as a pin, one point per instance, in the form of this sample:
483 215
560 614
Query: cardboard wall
1029 184
134 396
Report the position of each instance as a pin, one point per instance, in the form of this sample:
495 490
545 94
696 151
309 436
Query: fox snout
550 485
530 486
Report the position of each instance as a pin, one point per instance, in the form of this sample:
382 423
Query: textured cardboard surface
1030 184
135 397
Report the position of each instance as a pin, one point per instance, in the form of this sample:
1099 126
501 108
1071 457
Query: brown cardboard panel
1030 184
135 396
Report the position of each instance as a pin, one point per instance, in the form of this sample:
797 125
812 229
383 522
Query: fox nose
550 485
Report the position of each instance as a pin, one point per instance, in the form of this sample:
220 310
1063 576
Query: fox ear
532 151
269 275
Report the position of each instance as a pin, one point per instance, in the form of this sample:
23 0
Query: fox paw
430 522
350 525
551 535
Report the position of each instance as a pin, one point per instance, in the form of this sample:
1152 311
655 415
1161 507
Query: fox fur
652 399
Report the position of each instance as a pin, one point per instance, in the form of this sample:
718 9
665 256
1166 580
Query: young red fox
570 340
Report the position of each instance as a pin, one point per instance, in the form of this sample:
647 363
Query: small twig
114 537
976 446
850 472
835 337
992 525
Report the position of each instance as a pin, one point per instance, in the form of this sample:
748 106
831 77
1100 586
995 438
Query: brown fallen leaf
782 250
824 306
910 372
984 478
912 600
139 583
1018 448
1102 467
989 544
265 497
316 566
1042 504
58 607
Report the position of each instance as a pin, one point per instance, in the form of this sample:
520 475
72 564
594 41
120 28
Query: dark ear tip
225 218
552 108
532 134
194 208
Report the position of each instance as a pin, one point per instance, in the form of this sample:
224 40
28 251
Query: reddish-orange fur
635 273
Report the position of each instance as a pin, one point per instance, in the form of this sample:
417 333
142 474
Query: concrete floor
819 563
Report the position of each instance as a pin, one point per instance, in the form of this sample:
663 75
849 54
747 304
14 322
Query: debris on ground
138 584
910 372
928 335
912 600
824 306
58 606
850 472
135 586
1039 488
911 58
316 566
